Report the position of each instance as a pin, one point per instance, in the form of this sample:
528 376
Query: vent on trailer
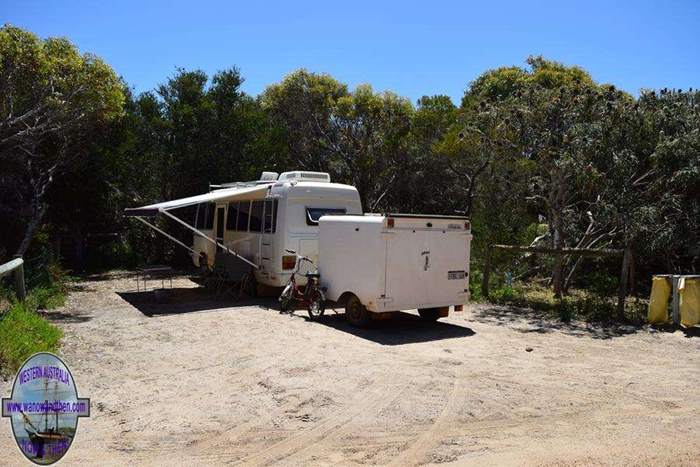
303 176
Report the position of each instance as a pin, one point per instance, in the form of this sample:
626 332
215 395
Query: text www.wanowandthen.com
59 406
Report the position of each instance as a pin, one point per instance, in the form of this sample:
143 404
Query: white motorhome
246 225
368 263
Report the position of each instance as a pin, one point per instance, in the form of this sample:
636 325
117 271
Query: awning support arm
162 232
222 246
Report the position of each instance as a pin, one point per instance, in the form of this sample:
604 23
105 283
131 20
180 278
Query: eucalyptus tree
534 122
359 137
425 181
368 136
52 97
300 110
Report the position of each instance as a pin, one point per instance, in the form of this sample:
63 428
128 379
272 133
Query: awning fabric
226 194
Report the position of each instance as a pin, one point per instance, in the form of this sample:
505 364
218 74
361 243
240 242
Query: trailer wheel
356 313
429 314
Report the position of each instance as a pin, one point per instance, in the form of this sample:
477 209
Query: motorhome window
256 216
314 214
243 211
201 213
232 216
209 221
270 216
205 216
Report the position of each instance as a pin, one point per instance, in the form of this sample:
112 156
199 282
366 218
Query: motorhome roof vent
306 176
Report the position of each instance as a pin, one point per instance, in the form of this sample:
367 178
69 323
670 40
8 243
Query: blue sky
413 49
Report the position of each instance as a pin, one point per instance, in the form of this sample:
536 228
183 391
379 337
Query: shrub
24 332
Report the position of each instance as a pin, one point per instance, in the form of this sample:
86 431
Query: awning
226 194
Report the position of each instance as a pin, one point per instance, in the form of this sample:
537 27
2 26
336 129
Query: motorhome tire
251 285
429 314
356 313
203 264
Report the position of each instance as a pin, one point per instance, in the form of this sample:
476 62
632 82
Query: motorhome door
220 223
267 246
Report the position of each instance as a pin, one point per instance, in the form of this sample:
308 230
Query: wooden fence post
487 273
19 282
16 267
622 292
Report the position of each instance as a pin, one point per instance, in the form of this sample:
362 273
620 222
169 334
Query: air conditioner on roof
305 176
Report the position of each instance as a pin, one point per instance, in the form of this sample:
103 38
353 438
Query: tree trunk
557 214
470 200
38 210
622 292
78 247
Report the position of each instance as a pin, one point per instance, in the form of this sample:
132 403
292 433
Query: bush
579 304
24 332
45 298
506 295
602 284
475 294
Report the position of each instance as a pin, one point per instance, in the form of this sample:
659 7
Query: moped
311 297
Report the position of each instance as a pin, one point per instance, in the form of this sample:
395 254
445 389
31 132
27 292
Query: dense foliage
538 155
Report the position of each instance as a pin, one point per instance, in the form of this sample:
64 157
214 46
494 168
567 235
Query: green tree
301 108
52 99
367 137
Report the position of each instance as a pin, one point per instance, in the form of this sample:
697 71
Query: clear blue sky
411 48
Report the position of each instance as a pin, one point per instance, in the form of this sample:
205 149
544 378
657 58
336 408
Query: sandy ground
192 380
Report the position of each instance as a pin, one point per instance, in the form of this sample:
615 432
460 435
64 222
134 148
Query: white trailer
385 263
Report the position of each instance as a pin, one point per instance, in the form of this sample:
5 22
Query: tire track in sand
368 400
427 440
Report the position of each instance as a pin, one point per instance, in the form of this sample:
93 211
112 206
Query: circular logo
44 408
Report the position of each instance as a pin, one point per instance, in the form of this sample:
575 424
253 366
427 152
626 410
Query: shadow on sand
160 302
526 321
401 328
61 316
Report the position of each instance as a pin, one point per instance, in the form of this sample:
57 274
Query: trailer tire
429 314
356 313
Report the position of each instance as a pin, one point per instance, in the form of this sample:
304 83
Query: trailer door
405 268
447 280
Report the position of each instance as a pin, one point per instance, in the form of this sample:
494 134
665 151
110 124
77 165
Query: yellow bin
658 303
689 293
